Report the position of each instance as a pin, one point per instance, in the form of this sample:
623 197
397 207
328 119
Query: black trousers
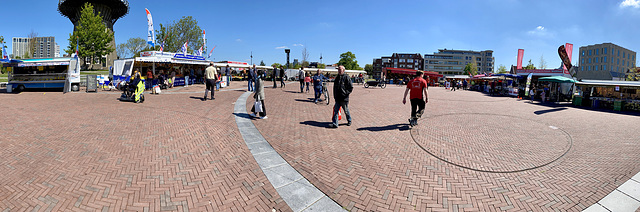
418 104
264 109
211 86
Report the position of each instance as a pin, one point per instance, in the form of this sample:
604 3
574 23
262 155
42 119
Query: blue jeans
250 81
318 92
345 110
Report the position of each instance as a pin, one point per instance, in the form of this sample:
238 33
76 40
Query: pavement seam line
289 197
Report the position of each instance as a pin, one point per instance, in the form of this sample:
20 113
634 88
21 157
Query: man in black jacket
342 87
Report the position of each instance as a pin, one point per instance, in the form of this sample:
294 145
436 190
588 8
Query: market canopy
558 79
412 72
508 75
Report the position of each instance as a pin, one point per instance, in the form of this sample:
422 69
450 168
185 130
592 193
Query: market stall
607 94
401 73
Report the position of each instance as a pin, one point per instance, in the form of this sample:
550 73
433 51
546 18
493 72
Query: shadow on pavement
540 112
199 98
243 115
400 127
305 100
316 124
292 91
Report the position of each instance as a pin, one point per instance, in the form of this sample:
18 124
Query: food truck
61 72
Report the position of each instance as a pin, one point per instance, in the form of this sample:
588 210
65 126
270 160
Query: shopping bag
156 89
258 107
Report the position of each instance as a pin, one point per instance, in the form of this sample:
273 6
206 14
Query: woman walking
259 97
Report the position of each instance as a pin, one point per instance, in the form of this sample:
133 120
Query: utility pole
320 57
251 57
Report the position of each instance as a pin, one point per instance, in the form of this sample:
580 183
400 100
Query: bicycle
325 93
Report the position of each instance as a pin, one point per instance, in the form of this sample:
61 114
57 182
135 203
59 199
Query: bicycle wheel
366 85
326 95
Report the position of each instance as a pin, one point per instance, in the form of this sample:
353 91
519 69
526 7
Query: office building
450 62
57 51
398 60
606 61
44 47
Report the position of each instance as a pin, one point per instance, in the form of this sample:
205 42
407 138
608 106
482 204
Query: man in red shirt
417 86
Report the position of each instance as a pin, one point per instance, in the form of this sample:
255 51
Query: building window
589 67
604 67
605 58
622 62
618 61
596 59
402 60
409 66
618 52
589 52
605 50
589 60
597 51
479 64
409 60
582 68
582 61
595 68
582 52
623 54
478 59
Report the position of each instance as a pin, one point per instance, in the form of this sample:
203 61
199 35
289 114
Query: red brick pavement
89 152
377 165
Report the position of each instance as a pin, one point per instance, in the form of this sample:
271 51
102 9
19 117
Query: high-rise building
57 51
452 62
398 60
20 47
43 47
606 61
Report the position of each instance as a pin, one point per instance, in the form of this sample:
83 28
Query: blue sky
369 29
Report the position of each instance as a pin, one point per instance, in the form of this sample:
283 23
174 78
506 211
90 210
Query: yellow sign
9 69
40 68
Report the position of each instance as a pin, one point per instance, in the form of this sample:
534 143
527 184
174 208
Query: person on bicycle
318 79
342 87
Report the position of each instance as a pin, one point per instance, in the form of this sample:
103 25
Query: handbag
258 107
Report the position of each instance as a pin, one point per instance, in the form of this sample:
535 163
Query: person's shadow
305 100
195 97
243 115
540 112
316 124
400 127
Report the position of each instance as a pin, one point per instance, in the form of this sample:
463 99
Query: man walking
282 77
210 76
342 87
227 72
301 78
417 86
317 84
251 77
273 76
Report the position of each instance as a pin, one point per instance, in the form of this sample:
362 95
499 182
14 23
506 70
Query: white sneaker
253 115
264 117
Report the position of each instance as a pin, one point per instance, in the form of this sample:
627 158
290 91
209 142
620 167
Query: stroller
132 91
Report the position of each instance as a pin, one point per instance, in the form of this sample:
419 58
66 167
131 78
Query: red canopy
412 72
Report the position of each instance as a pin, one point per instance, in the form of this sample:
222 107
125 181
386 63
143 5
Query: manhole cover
491 142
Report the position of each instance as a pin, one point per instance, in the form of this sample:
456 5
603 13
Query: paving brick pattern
491 142
376 165
91 152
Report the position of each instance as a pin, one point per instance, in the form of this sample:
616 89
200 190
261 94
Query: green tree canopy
502 69
92 36
262 63
471 69
2 43
177 33
348 60
276 65
369 69
529 66
322 65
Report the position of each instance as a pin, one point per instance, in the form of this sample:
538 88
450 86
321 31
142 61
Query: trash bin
92 83
577 100
617 105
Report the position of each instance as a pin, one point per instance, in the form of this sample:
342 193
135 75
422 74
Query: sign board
617 88
526 89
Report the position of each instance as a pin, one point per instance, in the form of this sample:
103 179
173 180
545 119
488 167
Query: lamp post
251 57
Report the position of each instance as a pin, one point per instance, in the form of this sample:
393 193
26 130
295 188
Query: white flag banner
150 33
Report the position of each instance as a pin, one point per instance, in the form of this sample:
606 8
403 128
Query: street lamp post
287 51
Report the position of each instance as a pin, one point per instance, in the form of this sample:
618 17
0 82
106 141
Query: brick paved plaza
174 152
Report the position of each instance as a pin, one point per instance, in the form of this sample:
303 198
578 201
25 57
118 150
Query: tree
633 75
305 64
121 50
369 69
262 63
2 43
177 33
322 65
92 36
348 60
305 56
502 69
471 69
276 65
530 66
33 44
134 46
543 64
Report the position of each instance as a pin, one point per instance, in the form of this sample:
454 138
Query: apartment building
606 61
451 62
44 47
413 61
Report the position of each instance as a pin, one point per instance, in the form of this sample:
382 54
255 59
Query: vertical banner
526 89
204 40
569 49
520 55
150 33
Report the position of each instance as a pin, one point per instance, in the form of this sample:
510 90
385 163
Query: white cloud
541 31
238 40
630 3
538 30
281 47
297 44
